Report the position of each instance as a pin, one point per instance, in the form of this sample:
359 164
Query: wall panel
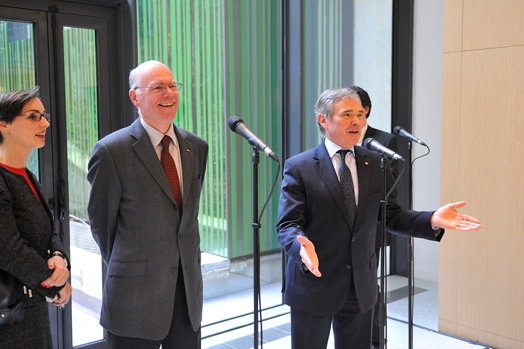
492 23
453 25
481 294
450 189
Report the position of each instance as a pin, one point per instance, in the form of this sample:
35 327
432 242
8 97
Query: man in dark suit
146 184
328 229
389 141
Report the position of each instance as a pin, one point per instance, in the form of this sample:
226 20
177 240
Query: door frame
115 17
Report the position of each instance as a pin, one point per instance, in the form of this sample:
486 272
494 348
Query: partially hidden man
389 141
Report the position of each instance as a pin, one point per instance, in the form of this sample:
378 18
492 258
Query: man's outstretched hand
447 217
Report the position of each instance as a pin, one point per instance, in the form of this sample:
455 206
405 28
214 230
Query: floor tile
425 332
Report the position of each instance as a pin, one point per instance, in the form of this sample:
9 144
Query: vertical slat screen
323 30
224 73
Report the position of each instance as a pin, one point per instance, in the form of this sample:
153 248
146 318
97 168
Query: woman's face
26 131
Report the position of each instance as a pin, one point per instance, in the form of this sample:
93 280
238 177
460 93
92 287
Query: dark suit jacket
135 221
26 234
389 141
312 204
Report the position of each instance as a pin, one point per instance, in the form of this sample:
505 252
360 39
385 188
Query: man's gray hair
134 81
326 100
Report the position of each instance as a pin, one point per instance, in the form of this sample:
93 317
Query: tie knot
165 142
343 153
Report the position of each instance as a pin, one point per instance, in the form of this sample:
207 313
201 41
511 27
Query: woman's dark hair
12 102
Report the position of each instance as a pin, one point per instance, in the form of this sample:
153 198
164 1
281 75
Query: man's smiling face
157 109
345 125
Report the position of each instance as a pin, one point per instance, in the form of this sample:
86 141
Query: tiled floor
220 304
276 330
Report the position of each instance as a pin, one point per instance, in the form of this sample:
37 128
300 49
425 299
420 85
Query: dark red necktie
172 174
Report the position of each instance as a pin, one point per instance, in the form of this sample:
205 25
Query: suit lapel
146 152
324 167
363 171
187 160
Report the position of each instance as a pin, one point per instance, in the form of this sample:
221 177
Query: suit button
175 270
348 267
180 235
353 239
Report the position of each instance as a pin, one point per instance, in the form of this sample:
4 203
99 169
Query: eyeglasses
162 88
36 116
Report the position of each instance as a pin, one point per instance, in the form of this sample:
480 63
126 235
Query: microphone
403 133
373 144
237 125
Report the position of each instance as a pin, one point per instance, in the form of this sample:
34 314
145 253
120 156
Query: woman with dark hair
31 251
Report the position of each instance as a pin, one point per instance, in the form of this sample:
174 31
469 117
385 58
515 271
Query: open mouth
166 104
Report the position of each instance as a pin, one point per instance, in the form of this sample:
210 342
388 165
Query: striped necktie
346 183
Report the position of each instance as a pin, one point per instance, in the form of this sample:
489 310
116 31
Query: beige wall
481 284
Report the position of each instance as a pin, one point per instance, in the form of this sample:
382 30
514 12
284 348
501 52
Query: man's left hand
447 217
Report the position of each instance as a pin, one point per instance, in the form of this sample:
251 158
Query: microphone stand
411 260
383 282
256 245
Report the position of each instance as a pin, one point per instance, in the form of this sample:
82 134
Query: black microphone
403 133
373 144
237 125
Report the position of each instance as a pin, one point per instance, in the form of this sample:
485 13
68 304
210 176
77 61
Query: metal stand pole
256 246
411 260
383 282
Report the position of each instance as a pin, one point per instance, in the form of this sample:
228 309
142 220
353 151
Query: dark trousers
180 336
352 329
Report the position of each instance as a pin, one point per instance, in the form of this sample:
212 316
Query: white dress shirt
351 163
156 140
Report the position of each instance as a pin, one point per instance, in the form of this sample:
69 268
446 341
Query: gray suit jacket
135 221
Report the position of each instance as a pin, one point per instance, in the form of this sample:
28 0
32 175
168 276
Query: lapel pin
188 150
366 163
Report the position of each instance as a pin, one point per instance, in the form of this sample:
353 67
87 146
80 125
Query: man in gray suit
144 217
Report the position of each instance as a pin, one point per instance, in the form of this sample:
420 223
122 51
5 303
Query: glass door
64 48
80 67
24 63
82 56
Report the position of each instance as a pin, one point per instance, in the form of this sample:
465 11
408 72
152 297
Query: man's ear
322 120
3 126
134 98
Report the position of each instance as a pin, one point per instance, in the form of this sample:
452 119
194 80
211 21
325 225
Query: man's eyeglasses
36 116
162 88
